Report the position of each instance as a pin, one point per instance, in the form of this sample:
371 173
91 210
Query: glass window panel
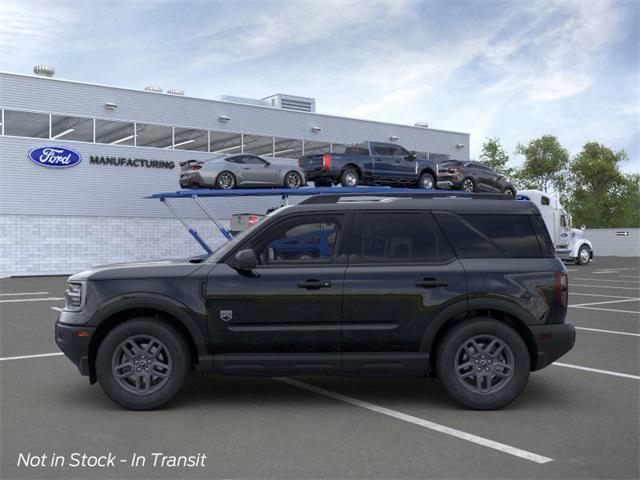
287 148
71 128
313 148
26 124
258 145
227 143
401 238
338 147
438 157
157 136
113 132
190 139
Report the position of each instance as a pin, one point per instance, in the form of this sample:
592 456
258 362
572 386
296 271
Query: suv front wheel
143 363
483 364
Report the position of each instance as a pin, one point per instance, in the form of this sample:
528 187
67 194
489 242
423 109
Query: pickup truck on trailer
371 163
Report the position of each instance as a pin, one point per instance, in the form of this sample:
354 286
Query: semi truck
568 241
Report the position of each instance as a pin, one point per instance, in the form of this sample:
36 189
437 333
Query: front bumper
552 342
74 342
449 180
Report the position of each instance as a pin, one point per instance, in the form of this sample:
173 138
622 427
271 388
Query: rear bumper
192 180
74 342
450 180
552 342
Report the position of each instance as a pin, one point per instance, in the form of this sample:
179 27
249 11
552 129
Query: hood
174 268
576 233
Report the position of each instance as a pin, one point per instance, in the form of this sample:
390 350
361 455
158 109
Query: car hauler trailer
198 194
567 240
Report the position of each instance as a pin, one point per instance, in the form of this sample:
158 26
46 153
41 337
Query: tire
509 191
349 178
500 387
226 180
427 181
169 354
468 185
584 255
293 180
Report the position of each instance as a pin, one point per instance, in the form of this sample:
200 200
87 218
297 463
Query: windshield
238 239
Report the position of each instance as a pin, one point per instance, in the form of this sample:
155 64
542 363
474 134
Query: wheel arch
150 305
353 166
501 310
430 171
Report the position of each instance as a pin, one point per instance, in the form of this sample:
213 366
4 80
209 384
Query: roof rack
397 193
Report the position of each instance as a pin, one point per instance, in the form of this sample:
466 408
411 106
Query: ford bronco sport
466 289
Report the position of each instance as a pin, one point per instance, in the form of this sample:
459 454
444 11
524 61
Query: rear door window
466 240
398 237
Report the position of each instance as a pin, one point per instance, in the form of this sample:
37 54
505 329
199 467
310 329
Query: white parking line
23 357
597 370
22 293
597 295
57 309
628 276
485 442
609 310
606 280
14 300
608 331
606 272
605 302
605 286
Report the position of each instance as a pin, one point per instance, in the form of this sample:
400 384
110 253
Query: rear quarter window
491 235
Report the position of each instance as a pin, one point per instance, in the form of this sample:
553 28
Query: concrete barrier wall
614 242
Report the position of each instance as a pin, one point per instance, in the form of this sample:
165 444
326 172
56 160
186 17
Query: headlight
74 297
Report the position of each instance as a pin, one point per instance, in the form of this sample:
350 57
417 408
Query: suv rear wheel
483 364
468 185
143 363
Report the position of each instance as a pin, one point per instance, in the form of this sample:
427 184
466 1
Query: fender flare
168 305
580 243
464 307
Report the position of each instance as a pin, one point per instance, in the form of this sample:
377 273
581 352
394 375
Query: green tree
544 165
494 156
601 196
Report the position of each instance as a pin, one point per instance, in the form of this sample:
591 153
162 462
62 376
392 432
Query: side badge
226 315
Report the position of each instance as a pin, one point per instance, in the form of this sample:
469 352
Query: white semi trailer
567 241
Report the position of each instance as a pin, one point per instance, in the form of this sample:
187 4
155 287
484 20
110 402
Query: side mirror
583 228
412 156
245 260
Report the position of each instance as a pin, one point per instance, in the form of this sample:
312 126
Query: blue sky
514 70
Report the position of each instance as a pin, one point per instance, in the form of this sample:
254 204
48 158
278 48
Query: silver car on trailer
241 170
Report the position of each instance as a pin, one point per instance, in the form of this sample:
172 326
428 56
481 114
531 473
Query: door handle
431 283
313 284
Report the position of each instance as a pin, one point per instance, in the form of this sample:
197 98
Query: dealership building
128 144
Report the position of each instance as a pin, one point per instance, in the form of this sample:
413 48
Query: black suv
472 177
467 289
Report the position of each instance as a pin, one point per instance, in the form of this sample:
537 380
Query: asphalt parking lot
578 418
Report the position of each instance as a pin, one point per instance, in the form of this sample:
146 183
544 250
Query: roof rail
387 196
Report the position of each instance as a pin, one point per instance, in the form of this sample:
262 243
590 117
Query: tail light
326 161
299 163
562 289
252 220
454 170
196 167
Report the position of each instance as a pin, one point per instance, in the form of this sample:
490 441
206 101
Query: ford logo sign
55 157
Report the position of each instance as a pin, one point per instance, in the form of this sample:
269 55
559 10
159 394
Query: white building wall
612 241
53 245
